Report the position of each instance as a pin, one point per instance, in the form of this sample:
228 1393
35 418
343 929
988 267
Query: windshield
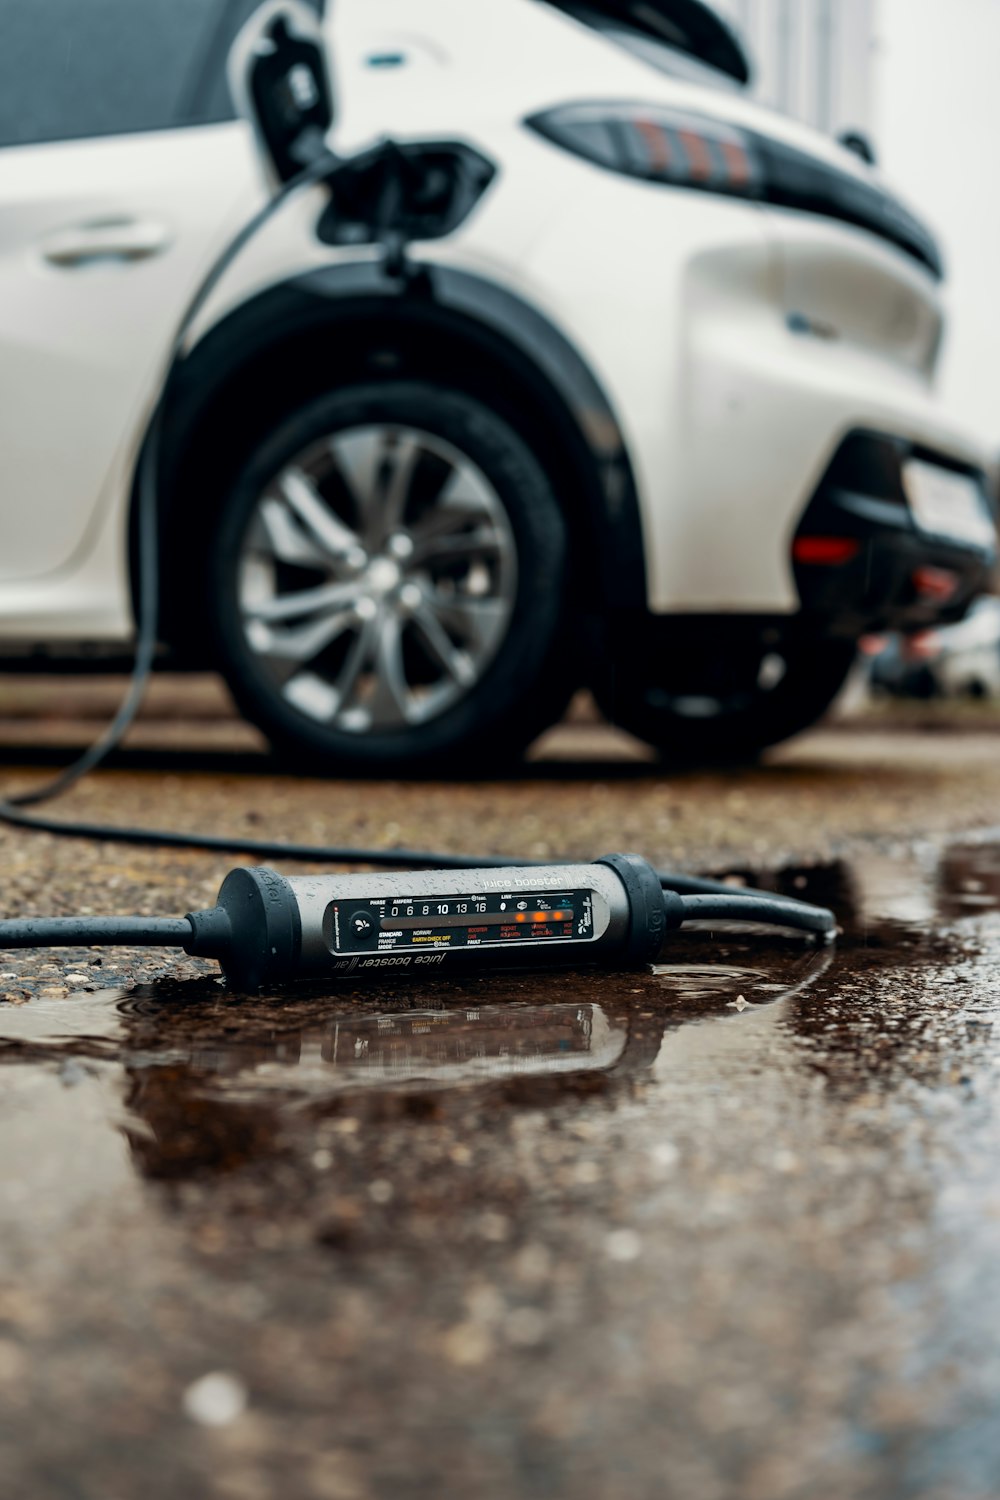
678 37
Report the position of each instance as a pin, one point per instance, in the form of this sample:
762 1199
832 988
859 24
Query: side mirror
280 82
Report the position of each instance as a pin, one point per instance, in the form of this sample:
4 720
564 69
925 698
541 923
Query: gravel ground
722 1230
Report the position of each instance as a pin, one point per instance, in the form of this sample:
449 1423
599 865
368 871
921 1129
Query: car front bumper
863 561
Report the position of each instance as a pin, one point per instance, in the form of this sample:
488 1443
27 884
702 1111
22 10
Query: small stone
381 1191
623 1245
468 1344
215 1399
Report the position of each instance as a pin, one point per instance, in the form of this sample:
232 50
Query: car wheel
776 693
387 584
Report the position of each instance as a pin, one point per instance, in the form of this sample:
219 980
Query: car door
120 177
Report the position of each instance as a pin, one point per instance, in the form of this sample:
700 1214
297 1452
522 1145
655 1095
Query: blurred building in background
812 58
937 128
918 78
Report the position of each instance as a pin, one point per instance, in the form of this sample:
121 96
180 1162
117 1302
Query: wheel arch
351 321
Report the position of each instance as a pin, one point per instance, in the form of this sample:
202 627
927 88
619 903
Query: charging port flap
280 82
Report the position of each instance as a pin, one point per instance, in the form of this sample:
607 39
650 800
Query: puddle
217 1073
742 1192
65 1149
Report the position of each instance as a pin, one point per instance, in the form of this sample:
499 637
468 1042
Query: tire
387 585
778 691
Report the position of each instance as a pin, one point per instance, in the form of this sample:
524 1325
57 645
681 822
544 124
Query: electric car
600 373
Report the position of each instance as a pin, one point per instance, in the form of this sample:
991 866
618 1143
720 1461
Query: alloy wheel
377 578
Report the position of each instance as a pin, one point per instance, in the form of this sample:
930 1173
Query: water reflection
968 880
212 1081
445 1046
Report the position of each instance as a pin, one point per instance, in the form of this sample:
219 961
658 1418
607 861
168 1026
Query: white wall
812 57
937 128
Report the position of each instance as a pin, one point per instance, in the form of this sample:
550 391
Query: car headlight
657 144
663 145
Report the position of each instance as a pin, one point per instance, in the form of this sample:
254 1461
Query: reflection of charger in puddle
211 1105
207 1099
489 1042
428 1046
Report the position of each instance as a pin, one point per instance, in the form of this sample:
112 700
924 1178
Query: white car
642 398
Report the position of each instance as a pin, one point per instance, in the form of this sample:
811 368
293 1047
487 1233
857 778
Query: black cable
770 911
103 932
148 506
145 652
336 854
766 908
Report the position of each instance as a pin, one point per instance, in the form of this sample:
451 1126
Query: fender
542 375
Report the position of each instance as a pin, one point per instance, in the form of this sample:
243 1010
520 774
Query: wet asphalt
728 1227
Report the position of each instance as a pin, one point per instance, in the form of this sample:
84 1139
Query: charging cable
319 168
309 941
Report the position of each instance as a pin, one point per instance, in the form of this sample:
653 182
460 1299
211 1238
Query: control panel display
484 919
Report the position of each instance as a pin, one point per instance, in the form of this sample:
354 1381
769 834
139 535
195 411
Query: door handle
122 240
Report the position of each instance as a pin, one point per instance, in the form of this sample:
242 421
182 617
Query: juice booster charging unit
269 929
